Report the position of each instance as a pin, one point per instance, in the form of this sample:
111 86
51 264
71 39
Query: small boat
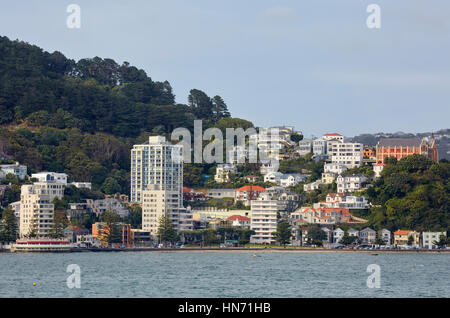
256 255
374 254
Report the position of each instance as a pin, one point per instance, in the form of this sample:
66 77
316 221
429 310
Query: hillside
82 117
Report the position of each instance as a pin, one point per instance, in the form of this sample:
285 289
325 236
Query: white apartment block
60 178
263 216
157 162
36 207
428 239
350 183
348 154
157 202
223 172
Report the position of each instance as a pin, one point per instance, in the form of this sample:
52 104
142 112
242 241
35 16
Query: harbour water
225 274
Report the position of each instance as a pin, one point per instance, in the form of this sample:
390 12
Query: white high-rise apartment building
36 207
157 162
347 153
157 202
263 219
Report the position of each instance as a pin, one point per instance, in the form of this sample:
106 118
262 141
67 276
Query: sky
314 65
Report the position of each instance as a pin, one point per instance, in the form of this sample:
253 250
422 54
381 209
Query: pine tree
166 232
60 222
283 233
9 229
111 233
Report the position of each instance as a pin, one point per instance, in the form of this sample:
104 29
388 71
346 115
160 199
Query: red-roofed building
327 216
239 221
401 237
248 193
333 136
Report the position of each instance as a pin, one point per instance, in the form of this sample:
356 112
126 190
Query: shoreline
236 250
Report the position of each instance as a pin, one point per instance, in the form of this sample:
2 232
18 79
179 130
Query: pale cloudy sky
311 64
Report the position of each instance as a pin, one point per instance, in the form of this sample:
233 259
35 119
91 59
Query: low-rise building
353 232
377 169
240 221
386 236
223 172
325 216
216 213
248 193
402 237
313 186
20 171
221 193
344 200
305 147
101 231
350 183
71 232
284 179
81 185
338 234
60 178
99 207
367 236
335 168
430 238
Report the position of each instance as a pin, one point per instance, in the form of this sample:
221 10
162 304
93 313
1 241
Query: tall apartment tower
36 207
157 162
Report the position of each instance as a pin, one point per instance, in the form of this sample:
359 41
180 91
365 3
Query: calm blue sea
210 274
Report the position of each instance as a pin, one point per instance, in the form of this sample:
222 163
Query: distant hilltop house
223 172
350 183
20 171
284 179
60 178
402 147
341 200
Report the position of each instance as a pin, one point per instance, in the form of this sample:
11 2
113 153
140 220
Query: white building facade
157 162
263 216
37 209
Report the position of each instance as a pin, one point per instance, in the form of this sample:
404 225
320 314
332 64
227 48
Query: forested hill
82 118
94 95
